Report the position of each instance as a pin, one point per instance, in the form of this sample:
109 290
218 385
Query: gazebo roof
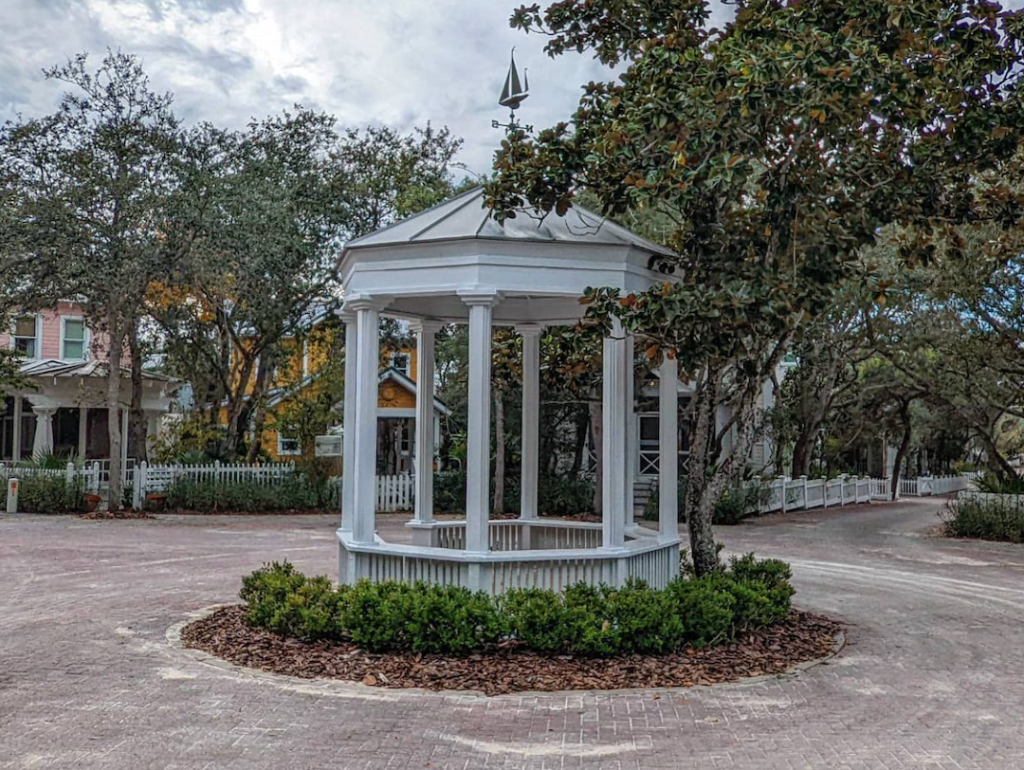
467 216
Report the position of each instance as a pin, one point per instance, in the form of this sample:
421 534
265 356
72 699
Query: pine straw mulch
800 638
114 515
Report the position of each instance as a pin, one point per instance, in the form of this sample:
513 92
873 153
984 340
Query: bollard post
12 495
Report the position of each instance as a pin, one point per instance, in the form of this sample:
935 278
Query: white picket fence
788 494
922 486
394 493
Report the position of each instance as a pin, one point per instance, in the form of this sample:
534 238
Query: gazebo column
530 448
364 469
478 438
617 367
632 455
668 448
348 472
424 433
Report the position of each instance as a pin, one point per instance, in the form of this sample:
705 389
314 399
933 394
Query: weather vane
513 94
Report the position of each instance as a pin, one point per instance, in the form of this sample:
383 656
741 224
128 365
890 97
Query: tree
86 195
779 147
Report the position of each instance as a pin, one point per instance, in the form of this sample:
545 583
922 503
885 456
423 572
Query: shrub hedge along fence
584 620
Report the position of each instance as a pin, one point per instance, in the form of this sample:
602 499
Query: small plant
51 494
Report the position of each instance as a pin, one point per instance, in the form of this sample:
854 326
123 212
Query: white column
43 443
668 448
348 473
365 467
530 448
632 451
617 369
423 451
478 438
83 426
17 428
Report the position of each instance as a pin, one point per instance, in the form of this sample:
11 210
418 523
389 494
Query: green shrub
989 482
583 620
450 491
732 507
985 520
295 492
50 494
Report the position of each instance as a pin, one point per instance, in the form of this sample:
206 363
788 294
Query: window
287 446
400 363
73 339
24 335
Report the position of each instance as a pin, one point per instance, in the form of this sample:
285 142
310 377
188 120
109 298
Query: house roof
467 216
54 367
277 395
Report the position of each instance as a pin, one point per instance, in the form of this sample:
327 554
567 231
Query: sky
396 62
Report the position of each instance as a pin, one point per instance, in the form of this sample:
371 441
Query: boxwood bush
584 620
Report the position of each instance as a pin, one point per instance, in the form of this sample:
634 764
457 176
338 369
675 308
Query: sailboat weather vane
513 94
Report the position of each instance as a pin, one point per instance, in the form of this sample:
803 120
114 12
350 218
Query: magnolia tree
778 147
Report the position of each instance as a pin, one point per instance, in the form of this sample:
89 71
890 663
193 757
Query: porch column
530 448
617 370
349 420
17 428
423 451
668 440
365 467
43 443
83 426
478 433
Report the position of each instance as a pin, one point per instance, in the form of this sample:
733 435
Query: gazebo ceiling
538 265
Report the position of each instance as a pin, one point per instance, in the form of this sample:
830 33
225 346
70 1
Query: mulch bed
801 637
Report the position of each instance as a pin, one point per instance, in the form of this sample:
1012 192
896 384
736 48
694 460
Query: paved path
933 676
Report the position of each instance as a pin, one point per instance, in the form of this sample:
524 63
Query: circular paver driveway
932 676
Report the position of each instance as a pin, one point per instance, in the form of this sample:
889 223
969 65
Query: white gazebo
456 264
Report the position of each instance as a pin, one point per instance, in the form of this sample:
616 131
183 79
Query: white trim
281 452
38 353
86 337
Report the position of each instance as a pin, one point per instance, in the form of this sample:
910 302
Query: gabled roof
276 395
467 216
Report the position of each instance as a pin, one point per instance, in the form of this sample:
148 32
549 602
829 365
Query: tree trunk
137 422
259 419
803 453
697 511
596 433
499 451
995 460
238 408
901 453
114 352
582 425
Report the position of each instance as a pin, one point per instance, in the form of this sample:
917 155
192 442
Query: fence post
139 488
69 474
782 491
95 484
842 490
12 495
807 503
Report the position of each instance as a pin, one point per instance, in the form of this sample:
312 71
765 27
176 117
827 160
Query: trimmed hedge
50 494
584 620
297 492
985 520
556 496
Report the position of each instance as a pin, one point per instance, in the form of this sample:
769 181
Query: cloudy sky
400 62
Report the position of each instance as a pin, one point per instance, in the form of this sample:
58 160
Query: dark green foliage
985 519
584 620
298 492
732 507
287 602
557 496
989 482
450 491
50 494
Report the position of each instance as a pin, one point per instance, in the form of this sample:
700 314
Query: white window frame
86 337
282 452
407 371
38 353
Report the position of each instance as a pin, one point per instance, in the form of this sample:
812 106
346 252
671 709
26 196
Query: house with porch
65 408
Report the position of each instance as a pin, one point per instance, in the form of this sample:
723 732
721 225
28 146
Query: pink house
66 409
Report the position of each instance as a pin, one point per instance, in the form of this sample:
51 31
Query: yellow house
307 373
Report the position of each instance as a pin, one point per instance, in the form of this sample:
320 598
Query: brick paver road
932 677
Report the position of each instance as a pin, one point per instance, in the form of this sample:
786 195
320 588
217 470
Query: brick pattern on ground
932 676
